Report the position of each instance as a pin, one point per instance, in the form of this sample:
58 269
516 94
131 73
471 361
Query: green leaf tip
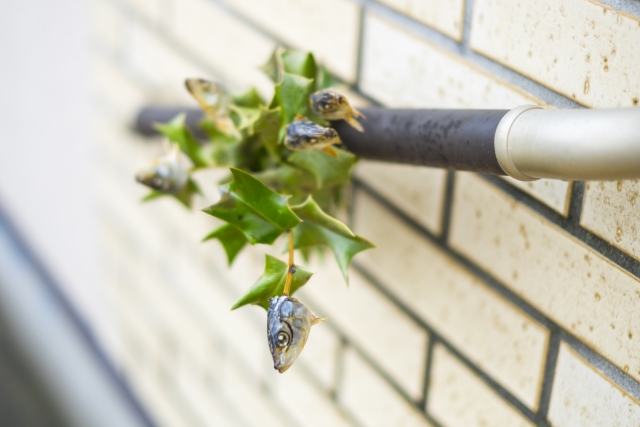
327 170
177 131
319 228
271 283
233 240
260 213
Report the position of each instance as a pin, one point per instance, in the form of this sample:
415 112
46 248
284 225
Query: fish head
288 325
303 134
165 174
210 95
329 104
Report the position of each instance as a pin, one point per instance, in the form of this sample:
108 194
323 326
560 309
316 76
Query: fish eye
283 339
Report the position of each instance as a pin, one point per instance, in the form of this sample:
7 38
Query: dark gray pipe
451 139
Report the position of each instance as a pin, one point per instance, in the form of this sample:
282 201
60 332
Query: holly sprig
272 190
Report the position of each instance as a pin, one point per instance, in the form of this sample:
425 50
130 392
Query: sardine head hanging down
166 174
288 325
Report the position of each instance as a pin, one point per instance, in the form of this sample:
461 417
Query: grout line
486 64
445 221
571 224
576 201
632 7
360 47
608 369
549 374
427 371
222 4
617 375
348 343
470 266
466 30
493 384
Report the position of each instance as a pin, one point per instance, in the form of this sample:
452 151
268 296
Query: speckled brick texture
488 302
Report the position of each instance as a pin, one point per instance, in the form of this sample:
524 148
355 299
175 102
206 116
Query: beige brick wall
489 302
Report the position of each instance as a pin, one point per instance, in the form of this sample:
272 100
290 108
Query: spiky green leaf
249 99
260 213
271 283
177 131
318 228
299 63
231 238
327 170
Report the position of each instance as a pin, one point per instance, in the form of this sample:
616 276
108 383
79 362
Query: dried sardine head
332 105
288 325
216 102
165 174
303 134
210 95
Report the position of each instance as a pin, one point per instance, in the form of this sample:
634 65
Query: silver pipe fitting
572 145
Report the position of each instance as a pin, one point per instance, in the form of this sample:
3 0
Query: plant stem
291 268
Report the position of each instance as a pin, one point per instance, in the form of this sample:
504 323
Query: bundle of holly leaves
271 189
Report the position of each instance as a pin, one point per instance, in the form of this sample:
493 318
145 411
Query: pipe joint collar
501 143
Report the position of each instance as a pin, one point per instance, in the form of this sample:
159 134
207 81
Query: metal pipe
573 145
527 143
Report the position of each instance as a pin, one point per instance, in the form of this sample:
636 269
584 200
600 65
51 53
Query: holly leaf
289 180
249 99
177 131
267 128
185 196
244 117
271 283
327 170
231 238
259 212
273 67
292 93
325 79
299 63
152 195
318 228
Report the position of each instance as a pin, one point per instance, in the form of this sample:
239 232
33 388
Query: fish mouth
281 368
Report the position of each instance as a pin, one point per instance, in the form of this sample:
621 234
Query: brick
368 318
582 49
560 276
610 211
371 399
445 16
490 331
552 192
581 396
400 69
309 406
459 398
234 50
329 28
417 190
